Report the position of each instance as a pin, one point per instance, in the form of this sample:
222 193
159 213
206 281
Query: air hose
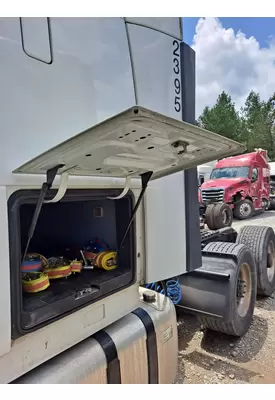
171 288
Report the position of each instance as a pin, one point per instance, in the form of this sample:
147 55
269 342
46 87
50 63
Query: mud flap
207 290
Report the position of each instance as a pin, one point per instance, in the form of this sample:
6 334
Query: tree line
253 124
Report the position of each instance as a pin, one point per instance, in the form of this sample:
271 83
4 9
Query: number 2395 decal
176 70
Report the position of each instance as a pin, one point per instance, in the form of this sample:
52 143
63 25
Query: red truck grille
212 195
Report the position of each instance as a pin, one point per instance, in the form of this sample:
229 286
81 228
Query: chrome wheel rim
244 290
224 217
245 209
270 261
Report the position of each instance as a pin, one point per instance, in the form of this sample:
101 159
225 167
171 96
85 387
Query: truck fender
241 195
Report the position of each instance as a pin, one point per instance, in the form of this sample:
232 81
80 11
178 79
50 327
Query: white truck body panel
86 362
5 320
167 25
205 170
89 80
36 41
272 168
60 77
29 351
33 349
165 227
152 62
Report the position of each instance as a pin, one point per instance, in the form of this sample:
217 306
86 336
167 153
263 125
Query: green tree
253 125
222 118
258 123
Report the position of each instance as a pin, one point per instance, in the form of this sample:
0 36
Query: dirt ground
211 357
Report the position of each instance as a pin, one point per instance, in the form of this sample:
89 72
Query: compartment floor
62 288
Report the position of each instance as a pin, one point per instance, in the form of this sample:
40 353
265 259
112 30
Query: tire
261 241
272 205
209 217
266 204
218 216
241 308
244 209
222 215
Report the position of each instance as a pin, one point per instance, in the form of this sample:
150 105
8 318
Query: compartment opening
64 229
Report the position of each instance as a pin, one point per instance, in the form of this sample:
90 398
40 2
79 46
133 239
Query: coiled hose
170 288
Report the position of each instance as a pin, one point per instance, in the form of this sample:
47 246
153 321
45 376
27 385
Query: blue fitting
173 289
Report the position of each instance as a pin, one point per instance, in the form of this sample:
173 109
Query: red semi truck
242 182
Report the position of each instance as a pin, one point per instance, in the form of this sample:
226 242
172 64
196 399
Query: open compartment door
133 143
142 144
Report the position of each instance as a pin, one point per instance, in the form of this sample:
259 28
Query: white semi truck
95 137
204 171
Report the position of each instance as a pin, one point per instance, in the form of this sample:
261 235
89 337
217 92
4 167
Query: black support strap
51 174
110 350
151 344
144 183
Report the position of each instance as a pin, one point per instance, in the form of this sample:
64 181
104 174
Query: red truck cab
242 181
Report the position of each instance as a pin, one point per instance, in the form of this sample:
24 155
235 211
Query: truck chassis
236 267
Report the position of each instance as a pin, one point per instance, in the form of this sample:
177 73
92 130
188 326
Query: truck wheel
209 217
242 290
222 215
244 209
218 216
272 205
261 241
265 205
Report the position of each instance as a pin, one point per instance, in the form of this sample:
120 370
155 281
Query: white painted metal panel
132 143
156 69
36 38
35 348
169 25
165 225
5 317
89 80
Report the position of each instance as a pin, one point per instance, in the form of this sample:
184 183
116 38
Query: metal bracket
62 187
125 190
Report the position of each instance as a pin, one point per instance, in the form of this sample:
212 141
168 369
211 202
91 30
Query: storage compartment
63 230
142 348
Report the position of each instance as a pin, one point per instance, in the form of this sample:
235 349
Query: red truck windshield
230 172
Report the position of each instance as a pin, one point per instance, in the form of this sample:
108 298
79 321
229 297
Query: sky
232 54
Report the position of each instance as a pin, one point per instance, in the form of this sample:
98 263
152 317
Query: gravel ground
211 357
